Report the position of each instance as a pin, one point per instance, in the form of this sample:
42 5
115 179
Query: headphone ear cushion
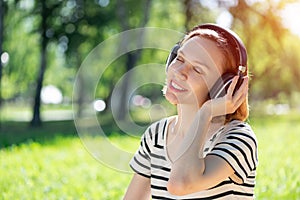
172 55
219 89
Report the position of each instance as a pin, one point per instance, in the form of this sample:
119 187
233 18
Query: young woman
207 151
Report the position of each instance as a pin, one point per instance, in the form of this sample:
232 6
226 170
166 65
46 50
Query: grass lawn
54 164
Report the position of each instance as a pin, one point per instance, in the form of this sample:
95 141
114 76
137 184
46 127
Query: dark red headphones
220 87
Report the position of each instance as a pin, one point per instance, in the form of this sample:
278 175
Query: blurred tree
260 26
85 25
264 34
77 27
196 13
46 11
19 71
140 19
2 13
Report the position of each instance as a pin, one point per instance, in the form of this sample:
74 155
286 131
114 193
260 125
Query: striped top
235 142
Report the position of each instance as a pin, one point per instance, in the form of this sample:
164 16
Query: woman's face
195 69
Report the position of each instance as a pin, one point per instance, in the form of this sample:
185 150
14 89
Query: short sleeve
141 161
238 146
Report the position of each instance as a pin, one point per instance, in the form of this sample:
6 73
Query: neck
186 115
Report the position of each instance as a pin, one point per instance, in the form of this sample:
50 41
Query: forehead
203 50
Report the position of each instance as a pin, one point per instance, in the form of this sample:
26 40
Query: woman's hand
229 103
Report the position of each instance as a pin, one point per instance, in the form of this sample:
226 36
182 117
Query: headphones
221 86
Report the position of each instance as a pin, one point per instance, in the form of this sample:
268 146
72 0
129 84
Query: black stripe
160 167
158 156
223 195
243 184
249 147
150 133
230 181
210 197
221 184
164 130
161 198
158 146
240 150
140 164
139 173
241 125
248 185
156 187
243 134
147 147
159 177
144 155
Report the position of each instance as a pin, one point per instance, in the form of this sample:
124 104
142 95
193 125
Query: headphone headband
232 38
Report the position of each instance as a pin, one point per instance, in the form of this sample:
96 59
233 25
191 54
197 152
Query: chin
171 98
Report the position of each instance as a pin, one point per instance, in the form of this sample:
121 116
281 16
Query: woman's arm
190 173
139 188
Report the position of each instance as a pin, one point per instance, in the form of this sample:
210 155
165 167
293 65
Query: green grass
51 162
278 173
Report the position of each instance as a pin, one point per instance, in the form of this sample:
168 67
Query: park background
43 45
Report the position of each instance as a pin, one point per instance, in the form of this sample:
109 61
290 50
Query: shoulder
240 130
158 127
237 144
157 130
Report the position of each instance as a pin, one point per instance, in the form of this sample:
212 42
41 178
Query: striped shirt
235 142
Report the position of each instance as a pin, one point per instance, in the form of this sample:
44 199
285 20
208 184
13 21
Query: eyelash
179 59
196 69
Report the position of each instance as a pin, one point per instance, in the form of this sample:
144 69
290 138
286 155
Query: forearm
194 140
139 188
188 168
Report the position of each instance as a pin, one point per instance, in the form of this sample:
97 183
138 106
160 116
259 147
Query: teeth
177 86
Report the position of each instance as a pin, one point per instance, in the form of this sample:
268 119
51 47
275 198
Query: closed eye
180 59
198 70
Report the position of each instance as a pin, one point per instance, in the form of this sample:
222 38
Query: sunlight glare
290 14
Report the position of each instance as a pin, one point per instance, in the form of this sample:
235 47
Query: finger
242 88
232 85
239 101
241 96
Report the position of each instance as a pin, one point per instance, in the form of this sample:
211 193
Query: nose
180 71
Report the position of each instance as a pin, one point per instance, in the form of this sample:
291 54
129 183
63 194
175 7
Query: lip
174 86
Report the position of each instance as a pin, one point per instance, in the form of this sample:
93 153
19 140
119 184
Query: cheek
199 84
211 80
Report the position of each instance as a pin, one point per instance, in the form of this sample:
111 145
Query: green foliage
19 73
59 167
76 27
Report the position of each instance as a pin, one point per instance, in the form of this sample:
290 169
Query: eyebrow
197 63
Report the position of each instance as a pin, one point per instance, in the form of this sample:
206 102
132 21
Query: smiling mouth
176 86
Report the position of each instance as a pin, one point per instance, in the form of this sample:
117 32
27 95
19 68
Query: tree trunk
79 87
188 4
132 58
2 11
36 119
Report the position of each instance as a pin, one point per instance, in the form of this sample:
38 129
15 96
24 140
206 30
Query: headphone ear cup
172 55
219 89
